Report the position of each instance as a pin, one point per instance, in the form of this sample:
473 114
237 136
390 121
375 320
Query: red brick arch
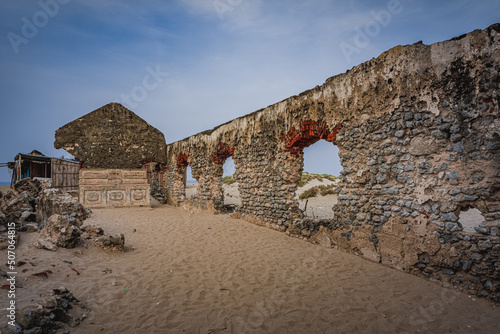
309 133
182 161
223 152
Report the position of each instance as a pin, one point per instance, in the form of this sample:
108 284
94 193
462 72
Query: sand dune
187 272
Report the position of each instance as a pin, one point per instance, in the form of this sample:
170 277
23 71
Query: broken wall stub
114 188
418 132
154 172
111 137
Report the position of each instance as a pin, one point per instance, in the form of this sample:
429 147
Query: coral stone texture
418 132
111 137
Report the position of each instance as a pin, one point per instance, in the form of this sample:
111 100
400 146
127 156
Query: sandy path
188 272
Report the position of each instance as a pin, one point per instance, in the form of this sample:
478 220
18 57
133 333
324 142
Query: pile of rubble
18 206
55 201
33 206
59 231
62 216
57 310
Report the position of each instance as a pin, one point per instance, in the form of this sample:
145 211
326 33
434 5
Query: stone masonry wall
111 137
418 132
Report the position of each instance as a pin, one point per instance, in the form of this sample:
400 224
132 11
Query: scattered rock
45 244
16 207
91 231
111 243
58 310
8 329
55 201
29 227
33 187
61 232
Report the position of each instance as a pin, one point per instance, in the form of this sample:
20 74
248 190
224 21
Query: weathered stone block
59 231
54 201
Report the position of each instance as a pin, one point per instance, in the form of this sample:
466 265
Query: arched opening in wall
317 191
182 166
190 183
223 158
319 180
232 199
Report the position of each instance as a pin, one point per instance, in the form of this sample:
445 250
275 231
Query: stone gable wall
111 137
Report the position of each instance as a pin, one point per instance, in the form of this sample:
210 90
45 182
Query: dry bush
312 192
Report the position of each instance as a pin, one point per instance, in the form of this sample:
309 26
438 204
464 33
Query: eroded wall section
418 132
112 137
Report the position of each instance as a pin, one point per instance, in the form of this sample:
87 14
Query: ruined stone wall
111 137
418 132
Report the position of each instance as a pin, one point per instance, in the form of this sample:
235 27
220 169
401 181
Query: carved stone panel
113 188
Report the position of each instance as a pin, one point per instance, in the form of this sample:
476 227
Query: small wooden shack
64 173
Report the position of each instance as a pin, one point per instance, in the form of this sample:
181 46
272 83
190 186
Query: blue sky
189 65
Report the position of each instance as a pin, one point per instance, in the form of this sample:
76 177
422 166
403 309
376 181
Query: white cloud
199 6
231 14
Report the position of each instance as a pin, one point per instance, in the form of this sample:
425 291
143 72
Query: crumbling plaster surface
419 139
111 137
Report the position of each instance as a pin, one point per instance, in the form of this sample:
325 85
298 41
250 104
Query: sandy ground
319 206
191 189
189 272
4 189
